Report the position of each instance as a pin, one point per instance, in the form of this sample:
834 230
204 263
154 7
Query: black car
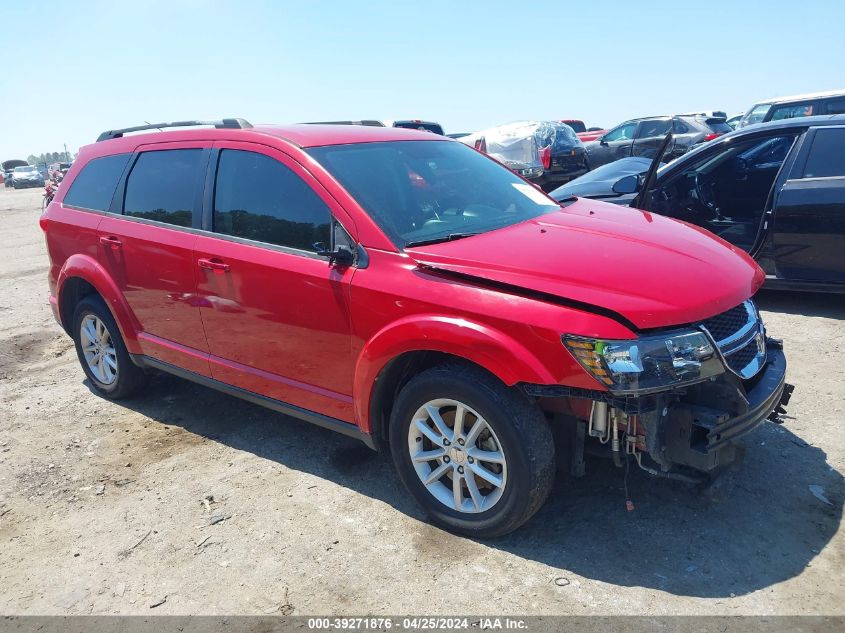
642 137
775 190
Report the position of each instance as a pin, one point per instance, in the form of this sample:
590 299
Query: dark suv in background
642 137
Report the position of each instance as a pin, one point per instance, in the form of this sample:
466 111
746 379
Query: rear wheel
477 456
101 351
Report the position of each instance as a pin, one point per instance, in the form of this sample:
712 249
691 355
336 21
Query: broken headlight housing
649 363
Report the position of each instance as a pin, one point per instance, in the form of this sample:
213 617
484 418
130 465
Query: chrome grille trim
751 333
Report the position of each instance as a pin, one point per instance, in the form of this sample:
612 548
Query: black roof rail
223 124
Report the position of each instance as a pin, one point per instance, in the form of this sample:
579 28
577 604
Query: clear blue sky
74 68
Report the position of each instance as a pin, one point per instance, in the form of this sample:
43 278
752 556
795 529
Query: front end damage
690 432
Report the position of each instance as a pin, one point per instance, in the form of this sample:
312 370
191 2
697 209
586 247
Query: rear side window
258 198
834 106
163 186
94 186
679 127
827 155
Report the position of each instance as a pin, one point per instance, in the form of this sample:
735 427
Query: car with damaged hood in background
547 153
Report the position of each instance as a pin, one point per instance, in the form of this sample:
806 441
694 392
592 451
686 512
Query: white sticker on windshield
534 194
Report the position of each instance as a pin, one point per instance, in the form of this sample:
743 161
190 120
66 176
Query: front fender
89 269
491 349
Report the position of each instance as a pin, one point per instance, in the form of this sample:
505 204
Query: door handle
213 264
111 241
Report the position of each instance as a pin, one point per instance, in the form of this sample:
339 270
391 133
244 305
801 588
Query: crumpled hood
652 270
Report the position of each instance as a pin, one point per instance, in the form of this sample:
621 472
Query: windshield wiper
437 240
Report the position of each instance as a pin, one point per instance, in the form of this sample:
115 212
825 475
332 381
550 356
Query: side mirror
628 184
341 256
602 141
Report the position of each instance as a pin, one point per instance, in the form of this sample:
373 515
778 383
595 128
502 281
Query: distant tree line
49 157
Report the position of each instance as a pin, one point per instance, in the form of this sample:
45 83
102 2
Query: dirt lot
101 504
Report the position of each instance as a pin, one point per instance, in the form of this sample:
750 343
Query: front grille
736 333
740 359
727 324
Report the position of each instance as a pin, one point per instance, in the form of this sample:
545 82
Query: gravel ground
102 504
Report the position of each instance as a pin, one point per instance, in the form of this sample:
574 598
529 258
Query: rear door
147 242
276 314
809 220
649 136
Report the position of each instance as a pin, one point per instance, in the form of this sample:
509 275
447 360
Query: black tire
130 378
522 432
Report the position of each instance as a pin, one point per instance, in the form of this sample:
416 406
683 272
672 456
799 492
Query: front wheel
476 455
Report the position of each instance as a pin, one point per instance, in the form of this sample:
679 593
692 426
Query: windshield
757 114
25 170
428 190
578 126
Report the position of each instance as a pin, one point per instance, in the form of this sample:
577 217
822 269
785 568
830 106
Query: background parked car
598 183
547 153
8 167
775 190
811 104
642 137
582 131
57 168
417 124
27 176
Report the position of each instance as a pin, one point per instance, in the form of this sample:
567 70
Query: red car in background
581 130
305 268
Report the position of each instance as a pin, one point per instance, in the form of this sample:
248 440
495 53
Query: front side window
622 133
258 198
422 191
163 186
792 111
827 155
94 186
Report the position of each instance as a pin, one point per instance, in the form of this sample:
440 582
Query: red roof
316 135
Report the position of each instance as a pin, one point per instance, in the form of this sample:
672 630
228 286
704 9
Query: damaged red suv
404 289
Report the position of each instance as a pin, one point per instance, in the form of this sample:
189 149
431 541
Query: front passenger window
622 133
258 198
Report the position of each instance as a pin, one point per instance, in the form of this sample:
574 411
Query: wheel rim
98 349
457 456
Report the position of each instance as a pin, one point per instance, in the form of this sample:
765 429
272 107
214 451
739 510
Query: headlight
650 363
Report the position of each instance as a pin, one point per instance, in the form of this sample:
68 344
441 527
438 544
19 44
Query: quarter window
94 186
258 198
163 186
827 155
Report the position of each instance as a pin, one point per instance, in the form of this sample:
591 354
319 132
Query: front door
809 223
148 251
276 314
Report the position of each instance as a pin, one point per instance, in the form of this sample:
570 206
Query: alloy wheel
457 456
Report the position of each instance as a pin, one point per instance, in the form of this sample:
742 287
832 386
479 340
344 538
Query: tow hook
780 409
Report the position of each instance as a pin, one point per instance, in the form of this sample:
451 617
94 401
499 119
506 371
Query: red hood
652 270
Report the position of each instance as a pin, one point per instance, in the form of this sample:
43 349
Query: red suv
402 288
